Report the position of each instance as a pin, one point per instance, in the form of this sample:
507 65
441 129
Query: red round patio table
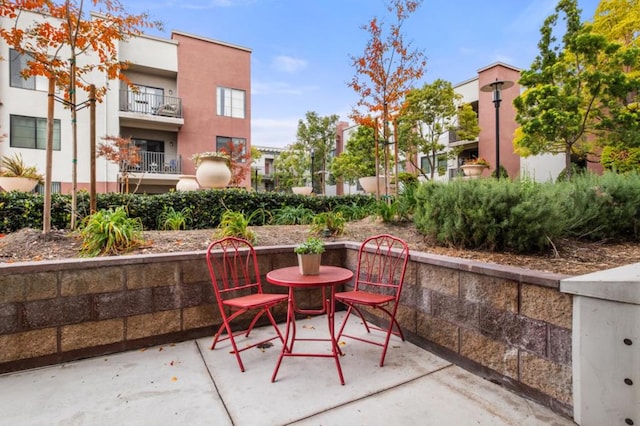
329 276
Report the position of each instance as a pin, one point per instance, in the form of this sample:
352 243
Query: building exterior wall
187 68
206 65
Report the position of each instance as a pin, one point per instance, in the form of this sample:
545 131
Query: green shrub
173 220
293 215
603 208
495 215
110 232
235 224
328 223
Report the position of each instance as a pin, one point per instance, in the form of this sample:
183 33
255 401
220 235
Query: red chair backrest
382 262
233 267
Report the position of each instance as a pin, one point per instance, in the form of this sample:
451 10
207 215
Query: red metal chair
238 289
382 262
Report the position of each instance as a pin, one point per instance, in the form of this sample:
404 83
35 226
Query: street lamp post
313 154
496 87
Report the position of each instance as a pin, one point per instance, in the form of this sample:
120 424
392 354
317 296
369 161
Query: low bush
495 215
110 232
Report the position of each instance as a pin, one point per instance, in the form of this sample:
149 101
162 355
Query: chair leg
275 325
236 352
254 321
344 322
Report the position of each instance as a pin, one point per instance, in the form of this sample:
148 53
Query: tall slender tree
385 72
317 135
54 34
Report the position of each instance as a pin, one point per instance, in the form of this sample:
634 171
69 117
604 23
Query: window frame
39 126
225 105
39 83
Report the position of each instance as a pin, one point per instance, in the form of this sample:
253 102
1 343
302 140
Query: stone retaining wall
509 325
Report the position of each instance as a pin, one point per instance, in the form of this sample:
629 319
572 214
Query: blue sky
301 49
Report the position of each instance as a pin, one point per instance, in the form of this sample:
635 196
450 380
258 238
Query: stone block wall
509 325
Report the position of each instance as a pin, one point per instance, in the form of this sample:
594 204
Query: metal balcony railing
156 162
149 103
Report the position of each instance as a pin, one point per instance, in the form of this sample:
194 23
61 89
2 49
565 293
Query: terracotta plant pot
302 190
22 184
187 183
213 172
368 184
472 170
309 264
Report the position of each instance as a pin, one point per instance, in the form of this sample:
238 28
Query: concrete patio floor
188 384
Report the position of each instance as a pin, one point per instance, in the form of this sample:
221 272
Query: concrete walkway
188 384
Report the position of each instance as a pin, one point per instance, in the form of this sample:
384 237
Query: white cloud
279 88
273 132
288 64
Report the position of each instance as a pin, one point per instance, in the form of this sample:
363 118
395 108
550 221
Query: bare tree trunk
74 136
92 142
46 210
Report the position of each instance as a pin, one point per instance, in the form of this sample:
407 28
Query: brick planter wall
509 325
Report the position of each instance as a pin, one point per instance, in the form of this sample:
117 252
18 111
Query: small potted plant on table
309 255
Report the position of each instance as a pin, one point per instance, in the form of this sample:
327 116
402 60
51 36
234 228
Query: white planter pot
187 183
368 184
472 170
22 184
302 190
213 172
309 264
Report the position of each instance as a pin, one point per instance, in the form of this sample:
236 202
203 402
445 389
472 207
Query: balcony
149 110
156 163
455 140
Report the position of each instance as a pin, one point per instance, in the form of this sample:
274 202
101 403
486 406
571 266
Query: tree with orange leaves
54 35
122 152
239 161
384 74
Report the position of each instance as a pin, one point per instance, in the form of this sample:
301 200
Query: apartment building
263 169
192 94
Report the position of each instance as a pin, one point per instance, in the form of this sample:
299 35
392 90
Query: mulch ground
570 257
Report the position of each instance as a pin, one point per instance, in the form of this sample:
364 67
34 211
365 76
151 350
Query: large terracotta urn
22 184
213 172
473 170
187 183
368 184
301 190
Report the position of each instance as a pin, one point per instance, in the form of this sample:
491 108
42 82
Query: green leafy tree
619 115
317 133
292 167
428 114
556 112
357 159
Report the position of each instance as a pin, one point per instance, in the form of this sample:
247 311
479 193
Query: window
441 164
238 146
17 63
56 188
31 132
230 102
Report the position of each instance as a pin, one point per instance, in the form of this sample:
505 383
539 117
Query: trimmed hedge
24 210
